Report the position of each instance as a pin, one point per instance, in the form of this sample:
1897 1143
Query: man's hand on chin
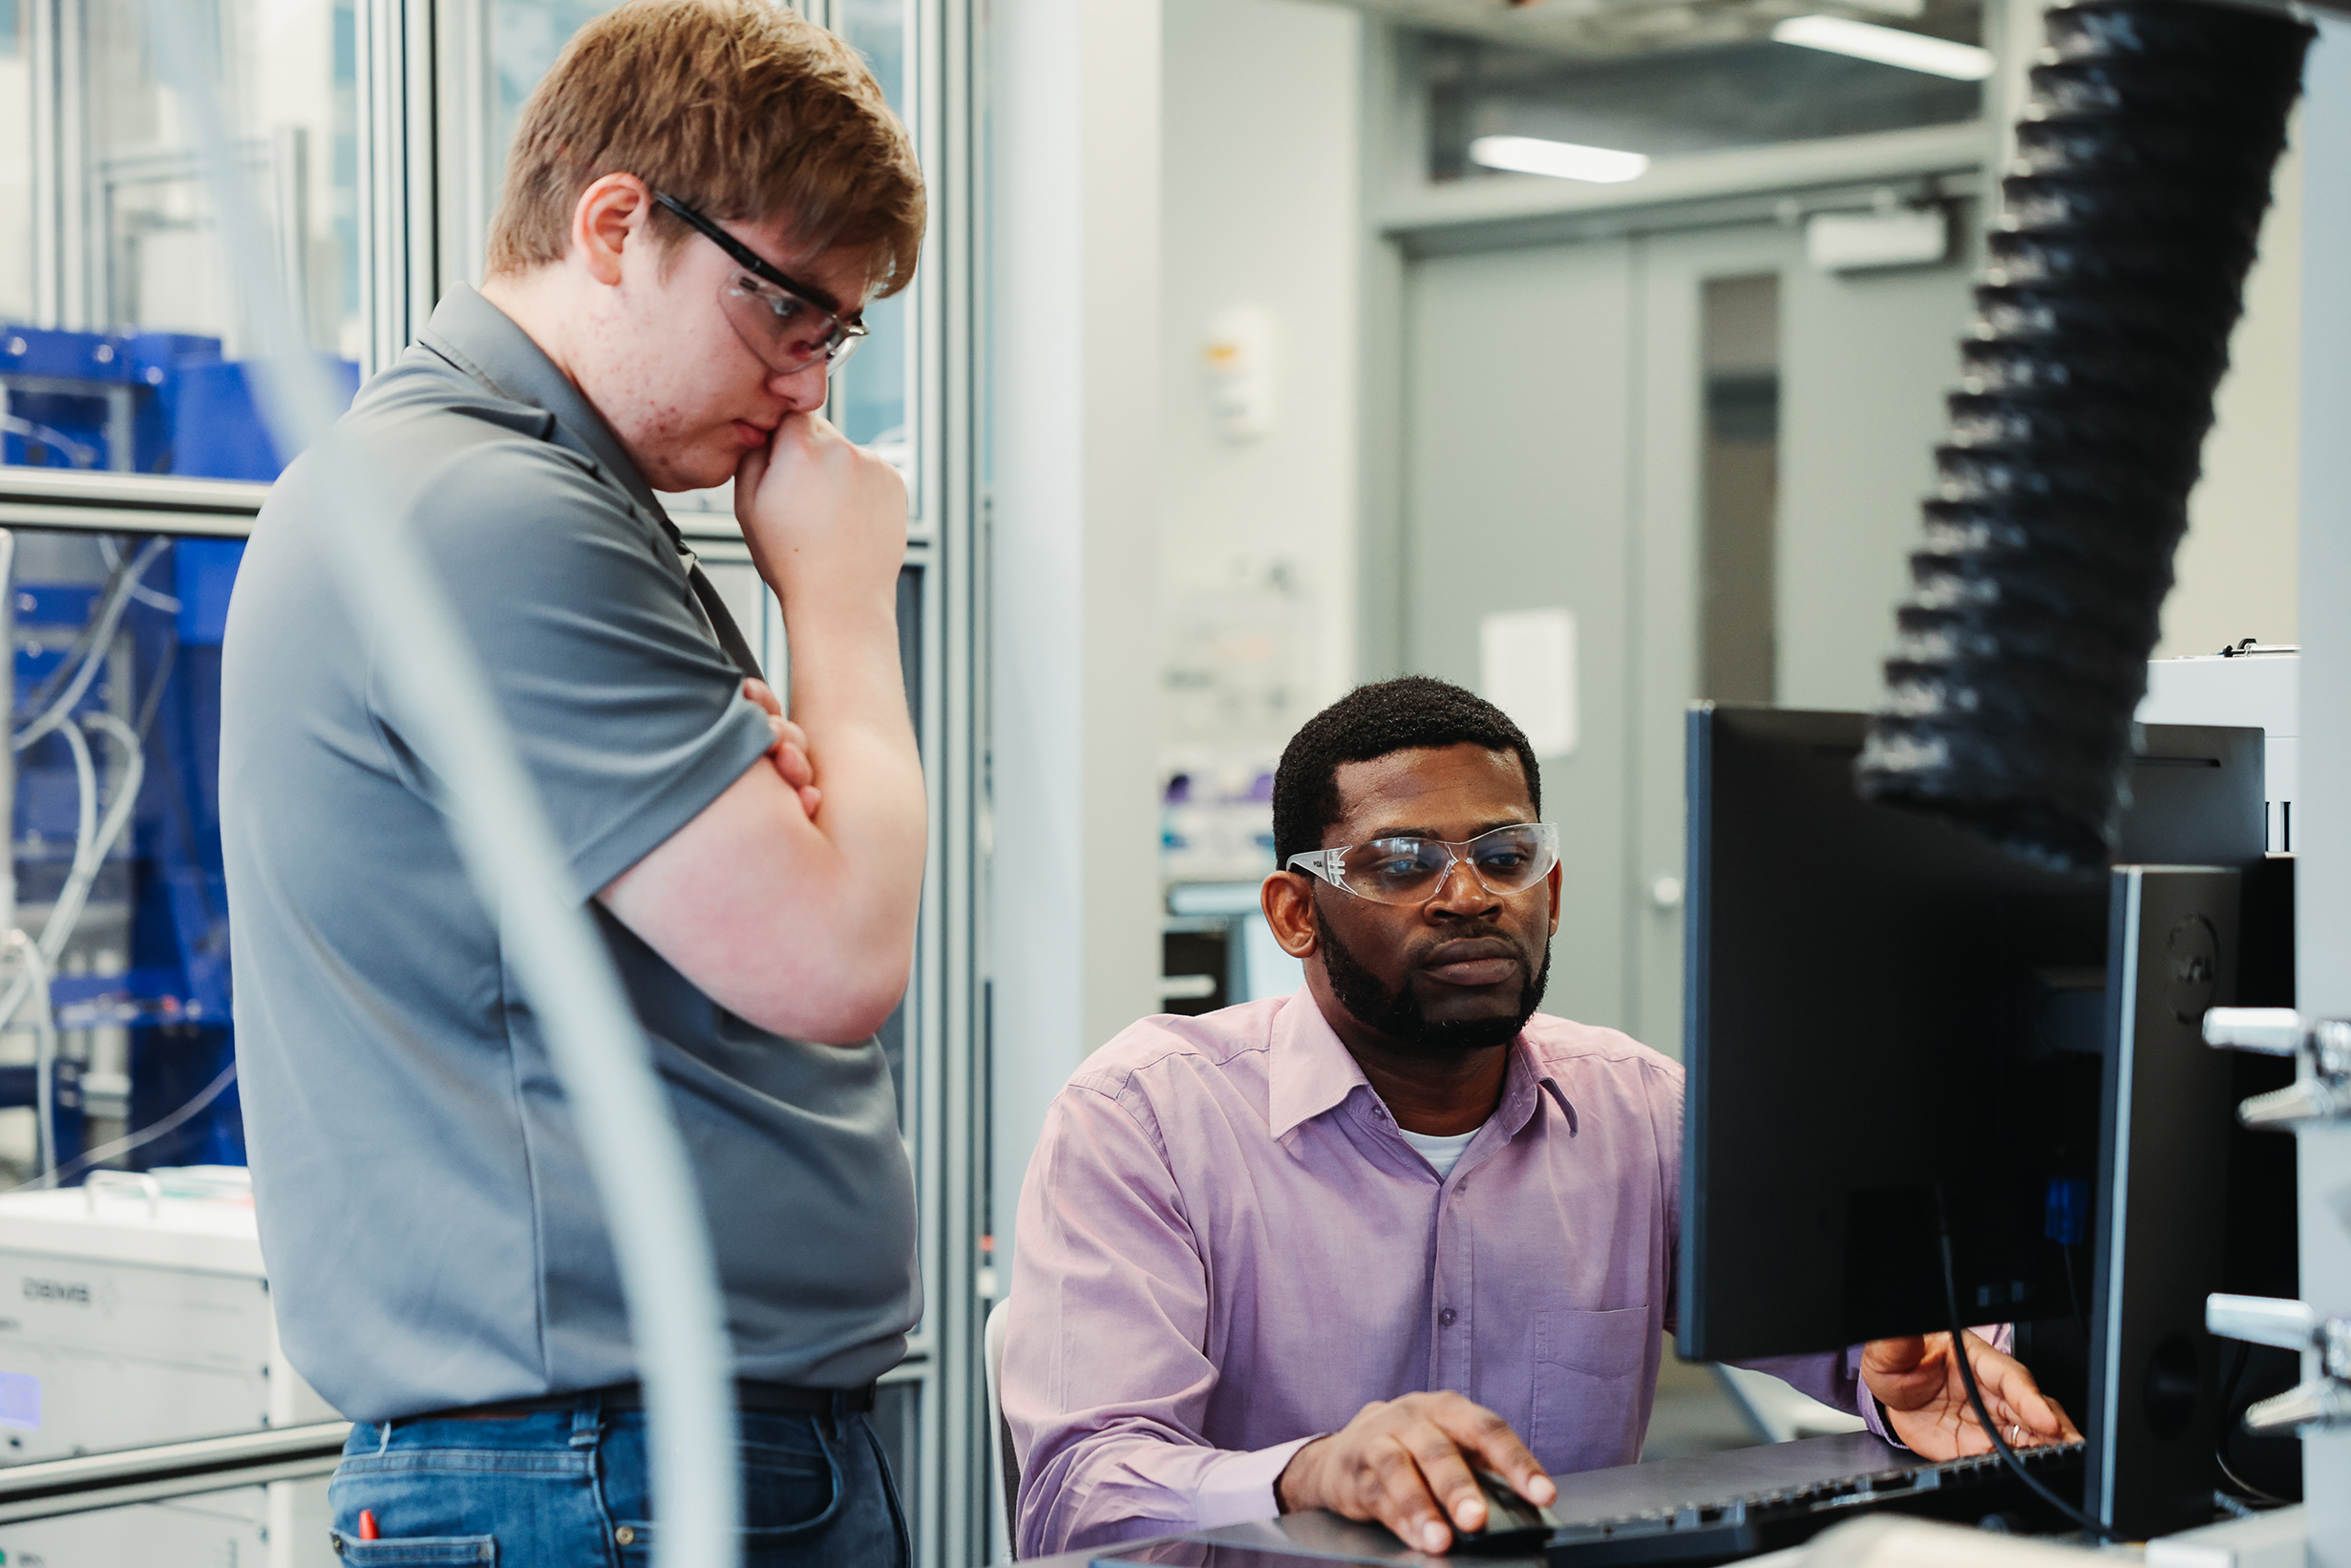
1918 1380
1406 1462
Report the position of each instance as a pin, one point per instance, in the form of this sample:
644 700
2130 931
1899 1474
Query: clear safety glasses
1506 861
788 325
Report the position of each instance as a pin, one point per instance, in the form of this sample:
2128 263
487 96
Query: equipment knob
2262 1320
2325 1399
2282 1110
2321 1402
2320 1045
2269 1031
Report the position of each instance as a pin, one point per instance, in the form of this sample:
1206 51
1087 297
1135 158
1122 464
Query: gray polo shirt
431 1234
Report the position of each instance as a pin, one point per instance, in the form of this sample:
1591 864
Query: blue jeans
568 1488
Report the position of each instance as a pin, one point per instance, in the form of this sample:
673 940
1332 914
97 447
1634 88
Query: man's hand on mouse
1407 1462
1918 1380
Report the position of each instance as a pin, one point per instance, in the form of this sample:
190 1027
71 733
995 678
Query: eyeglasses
788 324
1504 861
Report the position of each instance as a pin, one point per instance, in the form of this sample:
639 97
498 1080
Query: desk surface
1627 1491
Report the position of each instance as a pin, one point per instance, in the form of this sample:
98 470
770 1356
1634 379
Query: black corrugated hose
2116 273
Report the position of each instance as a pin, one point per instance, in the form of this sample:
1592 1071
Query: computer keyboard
1690 1512
1706 1531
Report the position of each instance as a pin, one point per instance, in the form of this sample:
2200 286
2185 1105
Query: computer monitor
1883 1007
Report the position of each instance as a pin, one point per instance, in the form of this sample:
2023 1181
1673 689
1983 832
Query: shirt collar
489 345
1312 1071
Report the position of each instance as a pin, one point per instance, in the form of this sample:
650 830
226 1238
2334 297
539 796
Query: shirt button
1445 1319
626 1535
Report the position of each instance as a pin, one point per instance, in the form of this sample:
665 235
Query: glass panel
117 658
15 160
869 393
1740 326
897 1421
130 356
894 1030
525 36
229 1526
1598 80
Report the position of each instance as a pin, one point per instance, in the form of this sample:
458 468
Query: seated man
1329 1251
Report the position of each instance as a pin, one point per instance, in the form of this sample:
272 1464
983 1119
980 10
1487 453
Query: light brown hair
740 108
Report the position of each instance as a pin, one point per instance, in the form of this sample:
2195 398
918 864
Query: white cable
144 595
102 632
441 701
145 1136
90 855
85 837
85 795
27 952
66 913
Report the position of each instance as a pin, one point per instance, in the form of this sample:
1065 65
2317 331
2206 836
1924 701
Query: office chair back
999 1436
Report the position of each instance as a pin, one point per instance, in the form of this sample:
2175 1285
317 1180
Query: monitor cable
2088 1526
2240 1352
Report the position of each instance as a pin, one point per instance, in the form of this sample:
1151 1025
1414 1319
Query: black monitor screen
1881 1004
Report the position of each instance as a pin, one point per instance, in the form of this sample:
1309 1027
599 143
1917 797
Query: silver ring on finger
2015 1435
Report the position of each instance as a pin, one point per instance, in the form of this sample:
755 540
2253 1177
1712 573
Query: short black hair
1371 721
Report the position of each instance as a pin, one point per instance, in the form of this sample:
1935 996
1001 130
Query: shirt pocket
1591 1396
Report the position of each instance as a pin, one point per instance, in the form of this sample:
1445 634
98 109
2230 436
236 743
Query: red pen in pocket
367 1524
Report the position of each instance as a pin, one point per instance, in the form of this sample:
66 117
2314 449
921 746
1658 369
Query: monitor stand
2166 1117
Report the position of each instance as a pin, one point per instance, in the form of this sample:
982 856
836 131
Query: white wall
1074 905
2236 569
16 302
1260 211
1151 170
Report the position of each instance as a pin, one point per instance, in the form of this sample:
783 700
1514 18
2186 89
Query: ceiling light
1887 46
1560 159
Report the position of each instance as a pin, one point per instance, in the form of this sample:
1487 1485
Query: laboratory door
1692 463
1518 499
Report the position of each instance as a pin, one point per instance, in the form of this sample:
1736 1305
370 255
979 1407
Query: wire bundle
2116 274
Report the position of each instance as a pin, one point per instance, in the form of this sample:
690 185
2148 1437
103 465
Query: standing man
702 197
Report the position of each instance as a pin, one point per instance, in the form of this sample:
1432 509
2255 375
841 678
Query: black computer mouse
1514 1527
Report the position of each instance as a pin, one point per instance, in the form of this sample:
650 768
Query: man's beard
1397 1014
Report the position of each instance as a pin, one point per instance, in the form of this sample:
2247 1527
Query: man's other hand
1918 1380
1406 1462
825 518
790 752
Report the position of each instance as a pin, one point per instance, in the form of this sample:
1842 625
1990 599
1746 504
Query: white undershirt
1443 1153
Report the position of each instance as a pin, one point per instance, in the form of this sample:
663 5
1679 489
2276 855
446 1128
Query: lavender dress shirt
1226 1249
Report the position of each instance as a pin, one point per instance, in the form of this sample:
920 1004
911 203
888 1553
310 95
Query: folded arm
802 920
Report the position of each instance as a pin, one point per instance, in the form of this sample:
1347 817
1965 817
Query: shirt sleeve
1106 1383
628 715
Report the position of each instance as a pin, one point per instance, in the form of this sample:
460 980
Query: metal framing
427 178
49 1488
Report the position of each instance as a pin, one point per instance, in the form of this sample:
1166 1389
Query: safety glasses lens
1395 870
787 332
1410 870
1510 859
